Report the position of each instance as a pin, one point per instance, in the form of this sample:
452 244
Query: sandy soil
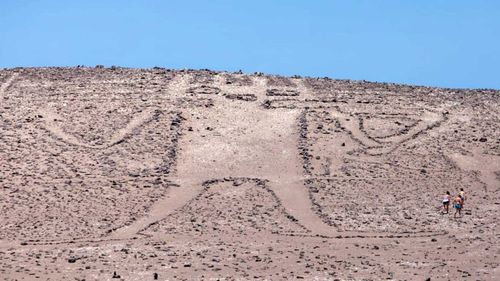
154 174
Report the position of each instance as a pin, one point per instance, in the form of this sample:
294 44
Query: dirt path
7 84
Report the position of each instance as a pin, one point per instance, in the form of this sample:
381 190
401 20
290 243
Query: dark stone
242 97
133 174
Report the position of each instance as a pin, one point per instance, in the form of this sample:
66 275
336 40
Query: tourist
458 204
462 195
446 202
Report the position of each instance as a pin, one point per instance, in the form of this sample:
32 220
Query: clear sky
453 43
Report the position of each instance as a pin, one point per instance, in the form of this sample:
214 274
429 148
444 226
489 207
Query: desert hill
204 175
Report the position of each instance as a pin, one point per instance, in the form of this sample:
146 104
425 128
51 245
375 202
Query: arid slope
132 174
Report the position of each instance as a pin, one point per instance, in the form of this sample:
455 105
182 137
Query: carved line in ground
282 92
220 92
338 235
94 178
179 82
203 90
353 131
342 86
401 133
166 205
377 235
240 92
119 136
219 89
349 113
304 151
128 129
5 86
390 147
411 135
396 165
361 126
29 244
52 99
145 227
381 139
303 144
477 176
318 209
289 103
169 158
182 101
292 103
206 186
153 96
100 238
303 138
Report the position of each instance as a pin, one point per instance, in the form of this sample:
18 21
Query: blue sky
450 43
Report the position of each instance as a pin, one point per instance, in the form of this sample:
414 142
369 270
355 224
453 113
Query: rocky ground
155 174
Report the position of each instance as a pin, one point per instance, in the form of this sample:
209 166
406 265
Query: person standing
458 204
446 202
462 195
